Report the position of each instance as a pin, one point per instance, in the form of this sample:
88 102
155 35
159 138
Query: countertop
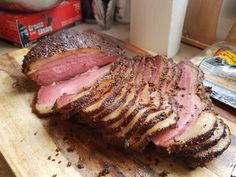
120 31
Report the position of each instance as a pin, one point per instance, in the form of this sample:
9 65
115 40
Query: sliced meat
142 106
66 54
47 95
103 106
151 99
197 132
71 104
190 105
103 117
217 134
202 157
152 124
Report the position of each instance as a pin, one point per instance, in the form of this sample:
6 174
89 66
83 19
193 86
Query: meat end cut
47 95
68 53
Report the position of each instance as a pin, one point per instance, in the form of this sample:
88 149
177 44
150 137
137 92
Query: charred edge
114 93
128 119
121 116
194 141
131 116
66 40
139 123
147 112
153 87
110 110
117 91
200 147
149 137
156 119
160 117
193 162
93 95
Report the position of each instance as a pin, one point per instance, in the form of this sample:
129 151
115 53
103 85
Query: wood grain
201 22
231 37
27 141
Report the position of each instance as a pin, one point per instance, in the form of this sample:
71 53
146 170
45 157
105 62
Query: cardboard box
25 29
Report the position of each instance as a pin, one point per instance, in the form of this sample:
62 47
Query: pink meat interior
69 66
190 105
49 94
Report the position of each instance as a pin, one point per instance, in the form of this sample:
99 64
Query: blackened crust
195 161
101 87
66 40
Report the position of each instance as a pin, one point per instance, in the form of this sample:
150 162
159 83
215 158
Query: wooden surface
231 37
118 30
201 22
27 141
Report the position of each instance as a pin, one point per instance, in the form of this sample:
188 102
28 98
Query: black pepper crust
141 127
130 88
200 92
95 92
112 96
66 40
191 150
138 88
136 83
140 122
195 161
194 141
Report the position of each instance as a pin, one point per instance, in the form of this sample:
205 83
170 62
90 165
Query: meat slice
47 95
141 107
143 104
95 111
71 104
104 117
202 157
113 100
165 117
197 132
190 104
217 134
66 54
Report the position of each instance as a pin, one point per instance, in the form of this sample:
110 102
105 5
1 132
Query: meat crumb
163 173
104 172
57 154
53 160
80 166
208 89
49 157
35 133
157 161
55 175
68 164
58 149
70 149
65 138
59 162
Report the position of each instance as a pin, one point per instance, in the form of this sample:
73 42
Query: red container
25 29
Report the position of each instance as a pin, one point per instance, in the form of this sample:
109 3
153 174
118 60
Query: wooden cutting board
36 147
